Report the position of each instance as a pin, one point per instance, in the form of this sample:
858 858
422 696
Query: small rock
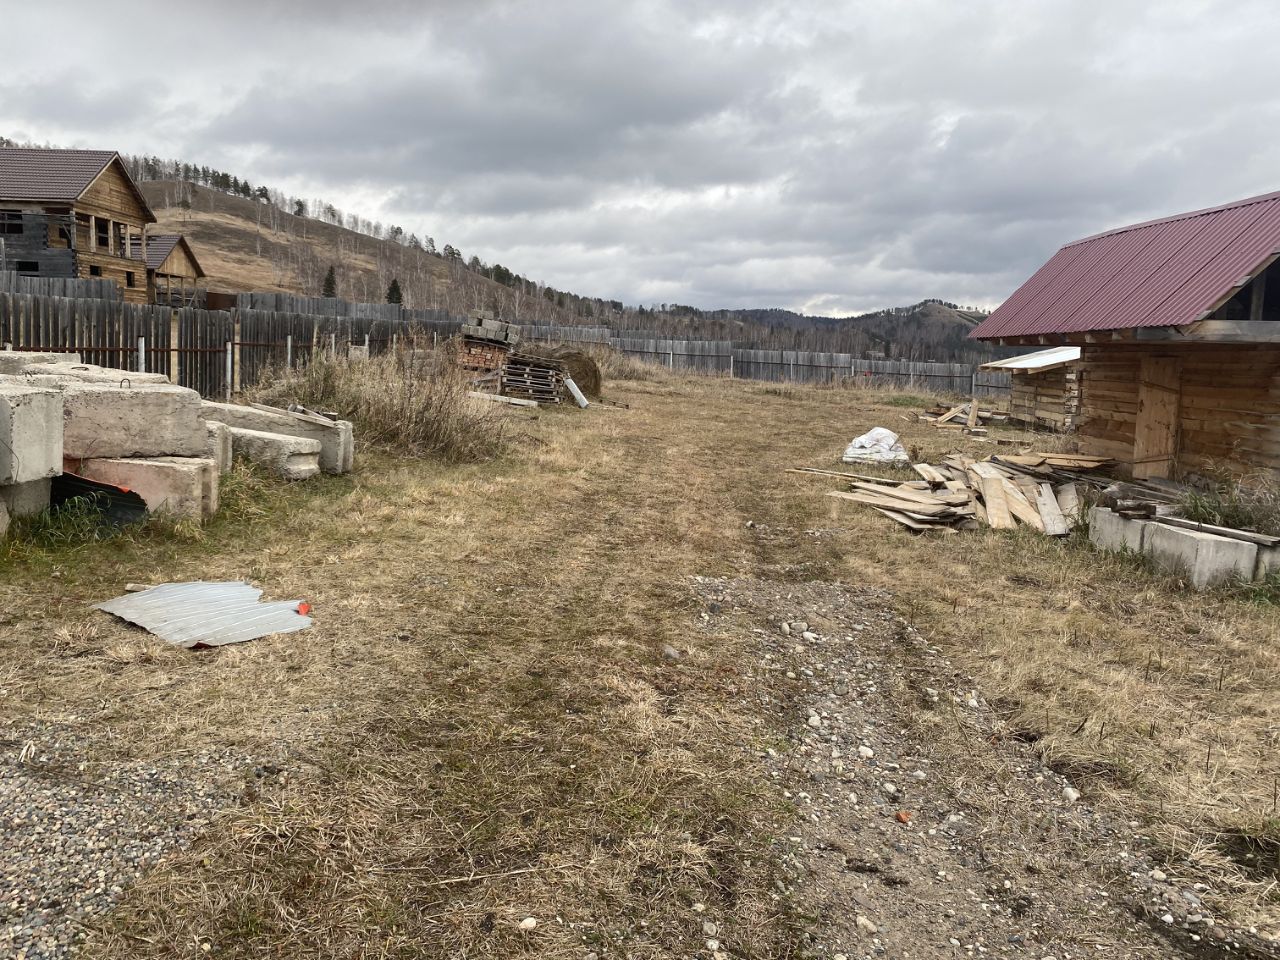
1167 918
713 945
889 788
866 753
1159 875
809 635
528 923
815 721
866 926
786 629
669 652
1070 794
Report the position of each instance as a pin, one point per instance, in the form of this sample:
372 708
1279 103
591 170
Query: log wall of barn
1228 404
1044 400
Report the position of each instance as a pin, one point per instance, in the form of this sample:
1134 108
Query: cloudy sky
830 157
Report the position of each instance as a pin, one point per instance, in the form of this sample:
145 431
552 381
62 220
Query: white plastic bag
876 446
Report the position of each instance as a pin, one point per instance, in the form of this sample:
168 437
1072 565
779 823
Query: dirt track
484 729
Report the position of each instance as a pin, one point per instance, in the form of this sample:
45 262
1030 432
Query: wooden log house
1043 392
1179 371
72 213
173 272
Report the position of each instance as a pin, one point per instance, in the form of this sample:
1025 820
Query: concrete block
4 520
1205 559
1116 534
91 373
219 444
147 420
336 437
293 458
181 486
1268 562
16 361
31 432
26 499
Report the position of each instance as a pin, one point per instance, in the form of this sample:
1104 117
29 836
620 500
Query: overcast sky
826 157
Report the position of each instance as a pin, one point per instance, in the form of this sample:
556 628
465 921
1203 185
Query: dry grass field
482 725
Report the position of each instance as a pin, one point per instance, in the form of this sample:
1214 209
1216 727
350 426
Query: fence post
288 351
671 358
366 345
730 364
229 370
333 345
142 354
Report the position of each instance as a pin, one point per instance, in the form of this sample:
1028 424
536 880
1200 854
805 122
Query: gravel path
922 829
76 831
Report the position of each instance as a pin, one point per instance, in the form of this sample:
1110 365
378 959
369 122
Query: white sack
876 446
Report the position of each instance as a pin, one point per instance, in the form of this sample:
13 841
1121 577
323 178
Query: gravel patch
76 830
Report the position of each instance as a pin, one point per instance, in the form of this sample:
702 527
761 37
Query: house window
27 266
103 229
128 279
95 270
10 223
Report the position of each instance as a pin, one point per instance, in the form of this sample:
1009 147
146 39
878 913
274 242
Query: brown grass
481 727
408 402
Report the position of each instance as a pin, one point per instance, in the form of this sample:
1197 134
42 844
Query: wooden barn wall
1228 405
1047 399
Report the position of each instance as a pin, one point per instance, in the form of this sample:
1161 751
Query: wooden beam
1256 297
1214 331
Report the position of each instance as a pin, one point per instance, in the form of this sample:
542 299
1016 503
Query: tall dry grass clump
411 403
615 365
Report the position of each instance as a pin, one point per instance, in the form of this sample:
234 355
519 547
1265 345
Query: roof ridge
1174 218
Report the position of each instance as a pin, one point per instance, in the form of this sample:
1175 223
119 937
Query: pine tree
393 291
330 284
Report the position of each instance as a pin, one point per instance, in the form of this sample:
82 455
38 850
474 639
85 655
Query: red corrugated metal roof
1162 273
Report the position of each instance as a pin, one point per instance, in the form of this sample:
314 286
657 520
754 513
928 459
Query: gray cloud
831 156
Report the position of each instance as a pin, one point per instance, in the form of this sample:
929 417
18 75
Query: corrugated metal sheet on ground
1163 273
212 614
1039 361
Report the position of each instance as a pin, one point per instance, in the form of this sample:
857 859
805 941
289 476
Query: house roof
1162 273
56 176
1037 362
159 246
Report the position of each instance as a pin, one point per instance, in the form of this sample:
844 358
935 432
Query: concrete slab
31 432
337 438
4 520
26 499
1268 563
147 420
219 444
1116 534
91 373
293 458
181 486
1205 559
15 361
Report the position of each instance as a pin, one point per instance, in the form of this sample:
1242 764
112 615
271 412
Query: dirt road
549 709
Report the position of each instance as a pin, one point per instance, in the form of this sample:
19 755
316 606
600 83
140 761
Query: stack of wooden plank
1042 491
533 378
968 417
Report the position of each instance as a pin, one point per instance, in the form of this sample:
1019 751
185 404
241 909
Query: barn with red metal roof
1180 344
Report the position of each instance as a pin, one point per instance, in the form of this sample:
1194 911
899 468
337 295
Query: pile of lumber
533 378
968 417
1042 491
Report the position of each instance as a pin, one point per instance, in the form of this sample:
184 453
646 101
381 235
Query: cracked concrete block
181 486
219 444
1205 559
147 420
26 499
293 458
16 361
337 440
31 432
1116 534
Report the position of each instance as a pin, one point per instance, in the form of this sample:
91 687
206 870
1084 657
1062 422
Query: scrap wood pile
968 417
540 379
1042 491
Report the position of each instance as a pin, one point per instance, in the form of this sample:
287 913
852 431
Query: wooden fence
94 288
217 352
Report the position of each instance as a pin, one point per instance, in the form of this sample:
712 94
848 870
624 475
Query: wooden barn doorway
1155 440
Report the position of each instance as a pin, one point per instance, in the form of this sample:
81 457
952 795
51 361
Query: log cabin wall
1046 400
107 215
1225 403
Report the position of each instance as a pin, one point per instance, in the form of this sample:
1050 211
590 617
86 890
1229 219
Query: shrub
408 402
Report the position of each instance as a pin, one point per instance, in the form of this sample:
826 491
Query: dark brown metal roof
159 246
55 176
1162 273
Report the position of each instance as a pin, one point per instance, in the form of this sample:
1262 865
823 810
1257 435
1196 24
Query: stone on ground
337 446
293 458
180 486
31 433
147 420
